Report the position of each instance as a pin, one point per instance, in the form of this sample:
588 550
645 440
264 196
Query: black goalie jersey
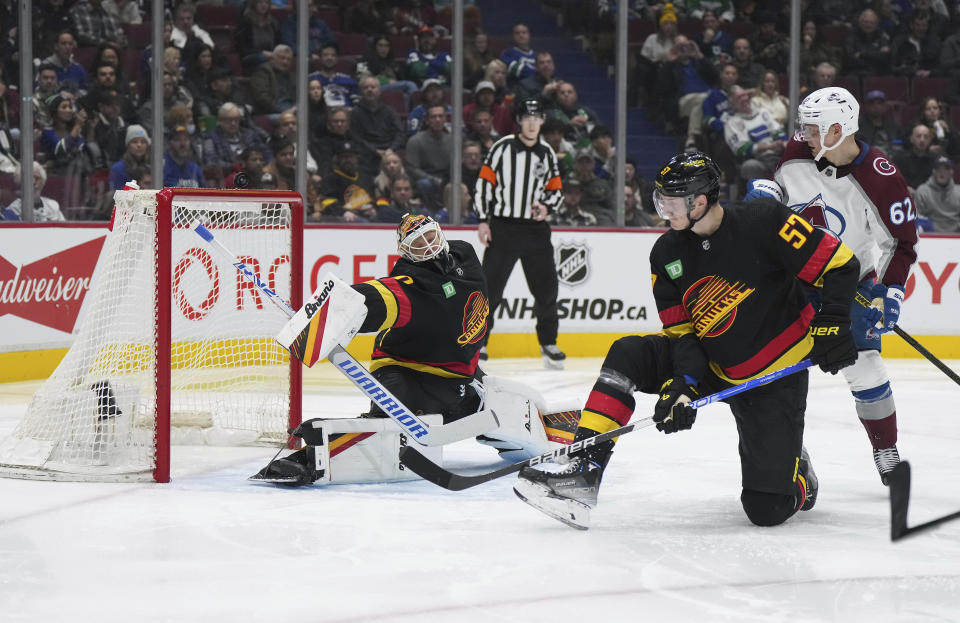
739 292
431 316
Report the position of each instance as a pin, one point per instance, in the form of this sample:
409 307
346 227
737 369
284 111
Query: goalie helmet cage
172 344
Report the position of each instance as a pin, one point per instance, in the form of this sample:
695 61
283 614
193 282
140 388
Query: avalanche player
841 184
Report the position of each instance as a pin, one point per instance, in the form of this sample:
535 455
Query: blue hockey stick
428 470
424 434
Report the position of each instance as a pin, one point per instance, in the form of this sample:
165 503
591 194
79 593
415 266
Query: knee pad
870 386
767 509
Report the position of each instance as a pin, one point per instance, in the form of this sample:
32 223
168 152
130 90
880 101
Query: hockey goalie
430 317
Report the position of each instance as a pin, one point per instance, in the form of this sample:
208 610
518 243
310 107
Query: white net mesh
95 417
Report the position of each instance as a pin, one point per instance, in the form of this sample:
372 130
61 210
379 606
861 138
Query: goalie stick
428 470
899 483
437 435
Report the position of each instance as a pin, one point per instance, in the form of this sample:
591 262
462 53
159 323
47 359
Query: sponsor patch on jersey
674 269
448 289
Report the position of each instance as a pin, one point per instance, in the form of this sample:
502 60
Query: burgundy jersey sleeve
896 212
796 149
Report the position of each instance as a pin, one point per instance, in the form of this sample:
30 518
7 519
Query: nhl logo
573 269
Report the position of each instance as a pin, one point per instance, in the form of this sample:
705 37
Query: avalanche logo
573 269
884 166
712 303
819 214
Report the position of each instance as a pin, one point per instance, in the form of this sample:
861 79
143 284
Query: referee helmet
529 107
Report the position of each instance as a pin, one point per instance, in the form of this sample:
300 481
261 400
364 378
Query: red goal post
171 346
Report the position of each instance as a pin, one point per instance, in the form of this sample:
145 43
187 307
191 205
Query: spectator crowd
379 92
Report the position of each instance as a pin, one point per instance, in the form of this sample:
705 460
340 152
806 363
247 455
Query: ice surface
669 541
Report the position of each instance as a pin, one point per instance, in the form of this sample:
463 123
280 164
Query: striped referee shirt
514 177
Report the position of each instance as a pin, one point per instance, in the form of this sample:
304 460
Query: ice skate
294 470
886 459
552 356
805 471
566 495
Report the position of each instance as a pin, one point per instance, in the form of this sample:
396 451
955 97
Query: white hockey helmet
419 238
825 107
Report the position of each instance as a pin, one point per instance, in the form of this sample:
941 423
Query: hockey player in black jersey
727 284
430 316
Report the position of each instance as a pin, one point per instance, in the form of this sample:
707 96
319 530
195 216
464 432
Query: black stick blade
899 482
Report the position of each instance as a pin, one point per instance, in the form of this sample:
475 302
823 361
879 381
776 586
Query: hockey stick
428 470
438 435
917 345
899 482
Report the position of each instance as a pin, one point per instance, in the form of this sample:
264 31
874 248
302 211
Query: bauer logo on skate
49 291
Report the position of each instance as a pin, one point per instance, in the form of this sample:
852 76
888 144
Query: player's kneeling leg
767 509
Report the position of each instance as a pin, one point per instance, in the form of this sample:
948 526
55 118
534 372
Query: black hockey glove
672 413
833 347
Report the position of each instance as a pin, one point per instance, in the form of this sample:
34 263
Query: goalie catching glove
833 347
671 412
332 317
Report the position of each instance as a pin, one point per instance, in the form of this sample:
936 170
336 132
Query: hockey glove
833 347
760 188
671 412
891 297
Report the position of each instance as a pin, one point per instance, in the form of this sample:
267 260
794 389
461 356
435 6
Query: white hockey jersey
865 203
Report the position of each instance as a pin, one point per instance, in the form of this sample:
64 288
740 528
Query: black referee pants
529 242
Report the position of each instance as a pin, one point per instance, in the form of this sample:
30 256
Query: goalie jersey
430 316
865 203
739 291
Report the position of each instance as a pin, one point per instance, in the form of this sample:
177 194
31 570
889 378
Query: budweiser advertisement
604 280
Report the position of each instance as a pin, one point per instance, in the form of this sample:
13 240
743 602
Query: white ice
669 541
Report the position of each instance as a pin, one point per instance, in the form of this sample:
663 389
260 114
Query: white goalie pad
365 450
518 408
332 317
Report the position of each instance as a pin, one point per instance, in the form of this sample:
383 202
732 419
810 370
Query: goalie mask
825 107
419 238
681 181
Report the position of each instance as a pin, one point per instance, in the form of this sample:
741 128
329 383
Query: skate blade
574 514
280 480
550 364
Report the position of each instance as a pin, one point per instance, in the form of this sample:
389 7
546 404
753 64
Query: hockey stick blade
430 471
899 483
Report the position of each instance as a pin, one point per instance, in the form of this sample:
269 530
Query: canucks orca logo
819 214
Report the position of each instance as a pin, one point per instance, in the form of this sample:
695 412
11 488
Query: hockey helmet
686 176
825 107
529 107
419 238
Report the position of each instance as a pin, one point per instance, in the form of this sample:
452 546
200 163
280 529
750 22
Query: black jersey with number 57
739 290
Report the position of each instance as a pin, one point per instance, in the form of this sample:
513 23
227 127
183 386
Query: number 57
791 233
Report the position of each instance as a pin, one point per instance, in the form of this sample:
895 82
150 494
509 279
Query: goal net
173 344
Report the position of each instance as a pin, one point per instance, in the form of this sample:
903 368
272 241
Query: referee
518 186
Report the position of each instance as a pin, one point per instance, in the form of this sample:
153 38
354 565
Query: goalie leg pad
521 433
364 450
